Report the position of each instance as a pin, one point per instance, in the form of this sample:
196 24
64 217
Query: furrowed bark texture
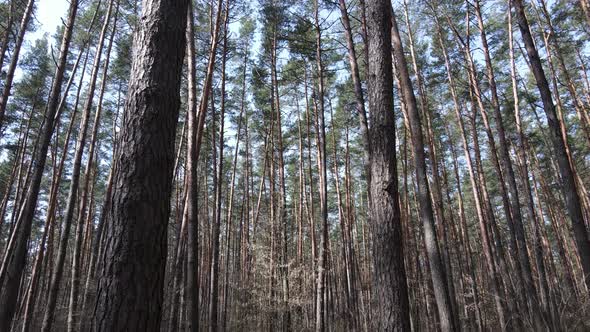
131 282
389 278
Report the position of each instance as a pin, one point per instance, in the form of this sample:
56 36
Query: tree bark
72 195
76 269
358 89
570 191
389 278
131 283
14 262
14 60
485 238
437 269
322 166
192 289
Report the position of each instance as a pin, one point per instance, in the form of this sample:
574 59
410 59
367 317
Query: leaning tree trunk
72 195
358 88
570 192
389 277
529 289
14 261
131 285
7 32
86 186
437 269
52 205
491 265
14 60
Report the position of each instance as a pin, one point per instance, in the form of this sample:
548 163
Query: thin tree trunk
214 290
192 288
322 163
485 240
358 89
76 168
14 263
437 269
570 191
7 32
49 220
76 259
521 151
14 60
537 315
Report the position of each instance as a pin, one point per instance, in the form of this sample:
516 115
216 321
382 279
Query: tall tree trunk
76 168
232 186
14 262
570 192
282 206
214 290
437 269
76 269
14 60
358 89
192 289
49 219
522 249
202 111
138 217
521 151
485 238
322 163
7 32
389 278
465 238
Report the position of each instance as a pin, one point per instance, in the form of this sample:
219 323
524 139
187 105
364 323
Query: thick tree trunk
389 278
131 284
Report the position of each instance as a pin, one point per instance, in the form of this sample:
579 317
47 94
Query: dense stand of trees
369 165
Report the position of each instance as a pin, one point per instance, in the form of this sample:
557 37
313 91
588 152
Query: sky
48 16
